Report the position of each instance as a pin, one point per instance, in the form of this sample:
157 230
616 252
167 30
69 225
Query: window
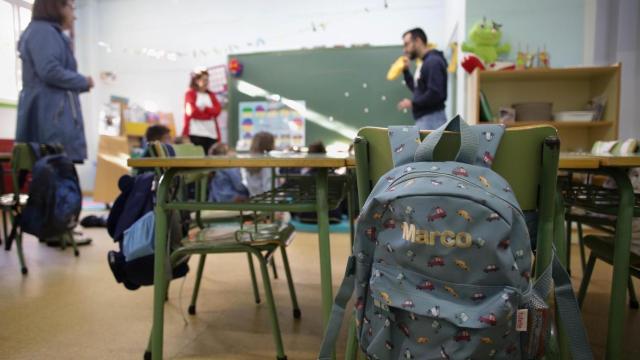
15 15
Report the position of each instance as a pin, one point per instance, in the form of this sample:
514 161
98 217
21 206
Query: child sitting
226 184
258 180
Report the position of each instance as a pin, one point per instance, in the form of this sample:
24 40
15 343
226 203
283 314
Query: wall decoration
286 124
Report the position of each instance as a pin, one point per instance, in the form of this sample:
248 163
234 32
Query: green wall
556 24
321 77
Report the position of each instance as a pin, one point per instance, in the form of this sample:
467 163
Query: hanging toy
235 67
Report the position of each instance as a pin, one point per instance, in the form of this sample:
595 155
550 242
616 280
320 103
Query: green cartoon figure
484 41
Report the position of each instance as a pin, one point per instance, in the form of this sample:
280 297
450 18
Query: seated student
258 180
335 215
226 184
158 133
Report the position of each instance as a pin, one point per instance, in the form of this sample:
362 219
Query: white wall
218 27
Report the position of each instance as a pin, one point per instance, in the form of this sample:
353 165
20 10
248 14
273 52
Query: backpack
55 198
131 225
442 260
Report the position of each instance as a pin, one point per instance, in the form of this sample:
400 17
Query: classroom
362 179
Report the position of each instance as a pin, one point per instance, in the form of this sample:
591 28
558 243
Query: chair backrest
527 158
22 159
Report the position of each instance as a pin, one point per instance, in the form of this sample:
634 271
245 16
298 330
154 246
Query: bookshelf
567 88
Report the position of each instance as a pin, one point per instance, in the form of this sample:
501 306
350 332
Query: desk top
588 161
292 160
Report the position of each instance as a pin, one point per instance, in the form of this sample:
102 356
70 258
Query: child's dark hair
219 149
156 132
262 142
317 148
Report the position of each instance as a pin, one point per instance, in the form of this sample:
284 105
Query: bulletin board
286 124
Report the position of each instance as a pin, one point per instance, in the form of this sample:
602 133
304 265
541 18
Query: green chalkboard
339 85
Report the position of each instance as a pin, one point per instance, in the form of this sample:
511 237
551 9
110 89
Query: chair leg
292 290
583 257
4 225
586 278
568 246
72 240
196 288
633 300
23 266
273 267
254 283
277 336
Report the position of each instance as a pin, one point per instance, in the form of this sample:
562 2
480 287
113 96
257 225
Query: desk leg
617 307
159 272
322 207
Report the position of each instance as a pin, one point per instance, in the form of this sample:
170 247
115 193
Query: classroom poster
285 123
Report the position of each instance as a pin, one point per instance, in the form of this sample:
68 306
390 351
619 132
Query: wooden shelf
563 124
575 73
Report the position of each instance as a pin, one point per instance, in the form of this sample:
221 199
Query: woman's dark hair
197 76
48 10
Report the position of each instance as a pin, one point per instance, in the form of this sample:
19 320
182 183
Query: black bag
137 198
55 198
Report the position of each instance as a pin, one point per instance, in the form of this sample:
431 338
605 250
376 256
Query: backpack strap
489 136
337 312
468 142
404 142
556 278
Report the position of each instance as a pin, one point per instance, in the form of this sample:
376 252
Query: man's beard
413 55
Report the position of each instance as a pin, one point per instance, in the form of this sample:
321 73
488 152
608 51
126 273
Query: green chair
527 158
23 160
234 235
601 247
594 206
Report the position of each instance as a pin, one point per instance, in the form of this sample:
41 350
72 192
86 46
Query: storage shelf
562 124
548 74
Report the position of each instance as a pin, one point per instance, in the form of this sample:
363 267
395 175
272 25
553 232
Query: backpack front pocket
409 313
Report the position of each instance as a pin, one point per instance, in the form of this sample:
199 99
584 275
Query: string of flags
257 43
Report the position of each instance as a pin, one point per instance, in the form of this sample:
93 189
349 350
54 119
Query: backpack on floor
55 198
131 225
442 260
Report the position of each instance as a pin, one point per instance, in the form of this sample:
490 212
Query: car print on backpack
484 181
491 268
399 149
436 214
371 234
425 285
410 255
389 224
451 291
464 214
489 319
405 329
436 261
487 158
486 340
493 217
488 135
462 265
422 340
435 182
478 296
407 354
462 335
460 171
504 244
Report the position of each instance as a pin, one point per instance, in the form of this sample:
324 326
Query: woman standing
49 106
200 112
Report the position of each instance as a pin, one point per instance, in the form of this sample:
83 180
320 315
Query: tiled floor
71 308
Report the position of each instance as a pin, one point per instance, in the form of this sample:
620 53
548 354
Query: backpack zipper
407 177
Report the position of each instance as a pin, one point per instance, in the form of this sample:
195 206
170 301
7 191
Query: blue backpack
55 198
442 260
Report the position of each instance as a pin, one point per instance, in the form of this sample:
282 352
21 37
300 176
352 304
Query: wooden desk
176 165
616 167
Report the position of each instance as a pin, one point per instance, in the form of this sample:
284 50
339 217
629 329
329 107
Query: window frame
16 5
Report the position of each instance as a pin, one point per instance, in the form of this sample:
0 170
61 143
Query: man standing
428 84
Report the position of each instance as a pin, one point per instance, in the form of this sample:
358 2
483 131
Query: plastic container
579 116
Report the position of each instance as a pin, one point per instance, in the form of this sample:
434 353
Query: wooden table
173 166
616 167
